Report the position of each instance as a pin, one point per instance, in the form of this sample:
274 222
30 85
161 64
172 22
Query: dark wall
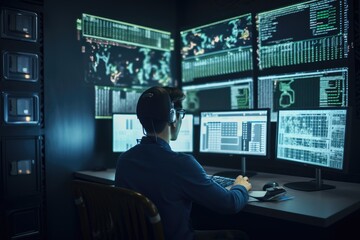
74 139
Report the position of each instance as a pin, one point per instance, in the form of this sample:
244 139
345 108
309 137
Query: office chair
108 212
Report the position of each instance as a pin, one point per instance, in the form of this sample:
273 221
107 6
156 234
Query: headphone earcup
172 115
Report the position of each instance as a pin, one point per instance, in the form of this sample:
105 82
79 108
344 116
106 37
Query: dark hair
151 123
152 126
176 96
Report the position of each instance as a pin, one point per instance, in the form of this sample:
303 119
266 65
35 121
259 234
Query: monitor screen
109 100
122 55
230 94
313 137
127 131
219 48
311 89
309 32
185 140
307 68
244 132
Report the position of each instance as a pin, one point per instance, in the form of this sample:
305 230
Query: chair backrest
108 212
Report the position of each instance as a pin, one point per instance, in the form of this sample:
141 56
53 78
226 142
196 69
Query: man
173 181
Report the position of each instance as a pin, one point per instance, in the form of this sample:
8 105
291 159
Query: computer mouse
270 185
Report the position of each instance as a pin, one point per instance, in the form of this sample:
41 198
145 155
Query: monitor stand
313 185
235 173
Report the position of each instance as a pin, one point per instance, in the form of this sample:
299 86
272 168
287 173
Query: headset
155 104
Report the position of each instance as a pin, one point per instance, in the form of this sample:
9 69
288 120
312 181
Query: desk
104 176
319 208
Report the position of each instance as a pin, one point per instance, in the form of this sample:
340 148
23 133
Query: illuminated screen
226 95
303 56
235 132
119 54
309 32
321 88
127 131
219 48
314 137
109 100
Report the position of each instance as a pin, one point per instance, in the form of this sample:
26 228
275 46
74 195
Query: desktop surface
320 208
105 176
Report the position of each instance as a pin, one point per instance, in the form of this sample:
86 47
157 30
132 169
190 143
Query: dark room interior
65 133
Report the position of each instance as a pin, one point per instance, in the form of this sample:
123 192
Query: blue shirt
173 181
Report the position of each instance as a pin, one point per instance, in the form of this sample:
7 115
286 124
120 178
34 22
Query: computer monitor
123 54
127 131
243 132
324 37
122 57
109 100
313 137
310 68
185 140
232 94
304 89
218 48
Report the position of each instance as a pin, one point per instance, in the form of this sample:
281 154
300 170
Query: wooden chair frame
108 212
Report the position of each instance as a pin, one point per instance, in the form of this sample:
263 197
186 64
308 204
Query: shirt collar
152 140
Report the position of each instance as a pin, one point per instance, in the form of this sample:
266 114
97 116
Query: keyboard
223 181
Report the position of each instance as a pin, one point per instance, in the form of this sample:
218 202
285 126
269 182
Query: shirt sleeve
200 188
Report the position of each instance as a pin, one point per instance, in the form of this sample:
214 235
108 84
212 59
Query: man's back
173 181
